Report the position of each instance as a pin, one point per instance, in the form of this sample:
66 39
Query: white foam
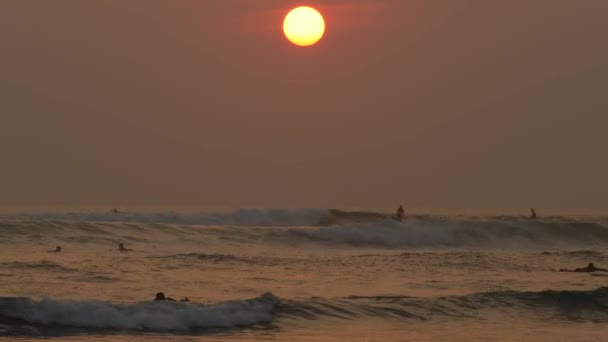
156 316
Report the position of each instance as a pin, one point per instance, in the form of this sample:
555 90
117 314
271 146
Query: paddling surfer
589 269
160 296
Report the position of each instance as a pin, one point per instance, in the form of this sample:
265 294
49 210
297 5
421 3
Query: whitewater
300 275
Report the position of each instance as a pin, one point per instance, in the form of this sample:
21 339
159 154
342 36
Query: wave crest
458 232
152 316
577 306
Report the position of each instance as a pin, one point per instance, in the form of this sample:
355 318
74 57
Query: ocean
301 275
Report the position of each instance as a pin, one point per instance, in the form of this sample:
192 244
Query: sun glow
304 26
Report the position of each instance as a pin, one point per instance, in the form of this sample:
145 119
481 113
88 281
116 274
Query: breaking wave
577 306
147 316
457 232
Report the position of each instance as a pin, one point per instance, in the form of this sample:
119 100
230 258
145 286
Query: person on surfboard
400 213
532 214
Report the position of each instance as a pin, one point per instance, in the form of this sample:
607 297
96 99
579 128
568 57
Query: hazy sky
445 103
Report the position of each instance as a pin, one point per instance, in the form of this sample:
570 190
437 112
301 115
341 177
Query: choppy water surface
301 275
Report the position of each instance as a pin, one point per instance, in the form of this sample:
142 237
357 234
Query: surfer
400 213
161 297
121 247
57 250
532 214
115 211
590 268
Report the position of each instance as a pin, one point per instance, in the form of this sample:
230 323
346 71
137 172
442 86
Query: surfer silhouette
532 214
57 250
400 213
122 248
160 296
590 268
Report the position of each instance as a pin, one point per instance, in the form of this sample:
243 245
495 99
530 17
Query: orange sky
435 103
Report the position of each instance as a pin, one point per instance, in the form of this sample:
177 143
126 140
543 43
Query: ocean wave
293 226
558 305
214 258
457 232
241 217
576 306
145 316
335 216
43 265
581 253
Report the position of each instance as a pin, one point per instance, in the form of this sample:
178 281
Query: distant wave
270 218
214 258
591 306
312 226
43 265
581 253
241 217
146 316
335 216
458 232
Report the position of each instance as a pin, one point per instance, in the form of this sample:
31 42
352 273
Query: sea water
300 275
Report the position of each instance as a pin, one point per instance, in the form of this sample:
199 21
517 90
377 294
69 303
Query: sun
304 26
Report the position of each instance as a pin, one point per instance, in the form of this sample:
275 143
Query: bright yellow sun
304 26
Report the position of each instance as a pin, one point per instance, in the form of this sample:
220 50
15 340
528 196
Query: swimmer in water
121 247
161 297
589 269
57 250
